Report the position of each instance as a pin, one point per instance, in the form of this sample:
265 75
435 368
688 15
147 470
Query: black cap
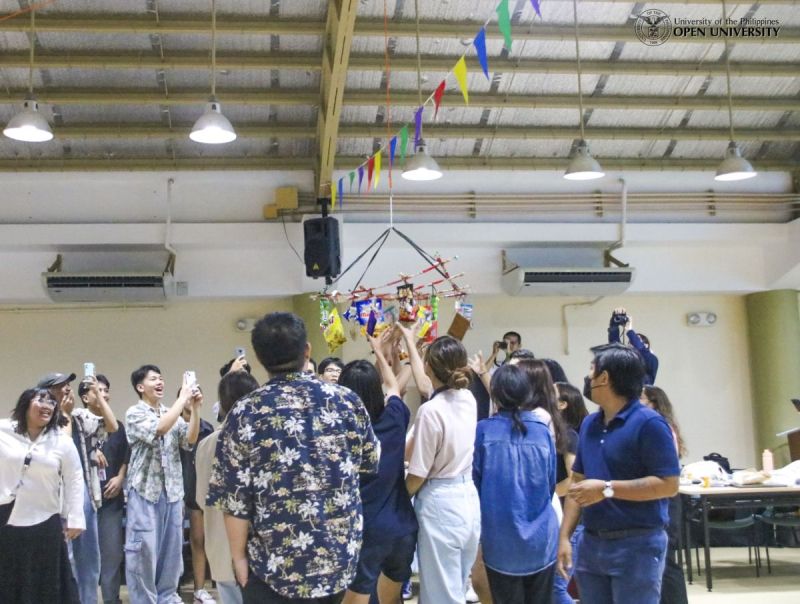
55 379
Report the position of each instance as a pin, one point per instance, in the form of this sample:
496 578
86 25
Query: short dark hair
280 340
20 412
138 375
522 354
232 387
556 370
624 366
575 411
83 387
227 367
512 391
327 361
363 379
513 334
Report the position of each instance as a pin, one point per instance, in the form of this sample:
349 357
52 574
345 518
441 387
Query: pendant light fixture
734 166
421 166
29 125
213 128
582 166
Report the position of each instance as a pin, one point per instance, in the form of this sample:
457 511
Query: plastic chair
748 522
773 520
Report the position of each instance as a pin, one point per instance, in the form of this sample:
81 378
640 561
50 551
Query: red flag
370 168
437 98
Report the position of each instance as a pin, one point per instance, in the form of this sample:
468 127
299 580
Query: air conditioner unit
547 281
107 287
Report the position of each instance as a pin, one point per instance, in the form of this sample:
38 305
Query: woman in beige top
440 474
232 387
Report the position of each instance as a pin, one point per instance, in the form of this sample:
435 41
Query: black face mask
587 387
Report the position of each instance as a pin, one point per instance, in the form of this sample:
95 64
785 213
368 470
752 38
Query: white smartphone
88 370
190 378
239 352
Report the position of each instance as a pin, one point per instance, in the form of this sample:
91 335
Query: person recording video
622 320
511 341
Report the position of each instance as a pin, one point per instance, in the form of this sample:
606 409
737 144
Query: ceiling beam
187 24
297 97
345 163
335 60
309 61
369 131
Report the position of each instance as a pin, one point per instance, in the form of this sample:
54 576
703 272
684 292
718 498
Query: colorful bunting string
372 166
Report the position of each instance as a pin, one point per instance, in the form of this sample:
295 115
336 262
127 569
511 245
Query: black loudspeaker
322 255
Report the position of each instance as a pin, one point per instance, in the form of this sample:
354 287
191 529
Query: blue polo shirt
636 443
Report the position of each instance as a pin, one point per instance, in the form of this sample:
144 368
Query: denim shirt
515 475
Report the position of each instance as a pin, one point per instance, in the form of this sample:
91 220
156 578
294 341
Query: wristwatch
608 490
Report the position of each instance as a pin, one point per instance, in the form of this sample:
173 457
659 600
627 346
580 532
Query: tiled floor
734 580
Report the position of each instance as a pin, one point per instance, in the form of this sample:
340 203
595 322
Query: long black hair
362 378
511 391
544 396
575 411
20 412
232 387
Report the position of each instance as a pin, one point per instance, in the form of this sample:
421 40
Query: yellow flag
333 197
460 71
377 170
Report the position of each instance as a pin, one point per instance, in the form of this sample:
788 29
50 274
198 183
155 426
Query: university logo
653 27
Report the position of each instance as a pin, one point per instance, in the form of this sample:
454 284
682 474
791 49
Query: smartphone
88 370
190 378
503 345
371 323
238 352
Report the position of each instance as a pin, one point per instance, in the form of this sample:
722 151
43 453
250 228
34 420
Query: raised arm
390 385
423 382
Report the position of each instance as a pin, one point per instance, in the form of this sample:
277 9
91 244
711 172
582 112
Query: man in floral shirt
287 467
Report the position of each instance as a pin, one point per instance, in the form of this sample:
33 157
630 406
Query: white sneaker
471 596
175 599
201 596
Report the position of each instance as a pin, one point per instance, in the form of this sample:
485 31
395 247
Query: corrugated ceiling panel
296 115
11 41
109 114
102 78
99 7
547 83
316 9
776 150
627 148
634 51
788 53
564 50
755 86
526 148
645 119
358 115
363 80
653 85
741 119
700 149
538 117
93 42
595 13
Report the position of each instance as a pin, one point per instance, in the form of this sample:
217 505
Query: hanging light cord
728 72
213 48
578 57
419 59
33 46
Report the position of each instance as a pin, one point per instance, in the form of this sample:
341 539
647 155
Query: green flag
504 22
403 143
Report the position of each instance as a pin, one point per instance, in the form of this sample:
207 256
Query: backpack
722 461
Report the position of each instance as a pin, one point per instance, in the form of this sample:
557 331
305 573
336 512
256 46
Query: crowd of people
317 487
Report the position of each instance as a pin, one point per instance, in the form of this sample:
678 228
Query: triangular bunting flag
360 177
504 22
418 125
480 48
392 149
377 162
352 176
437 98
403 143
341 192
333 198
460 71
535 4
370 170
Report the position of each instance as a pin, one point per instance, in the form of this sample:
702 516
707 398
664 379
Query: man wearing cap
89 427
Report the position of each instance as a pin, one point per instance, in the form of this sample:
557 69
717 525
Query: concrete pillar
773 319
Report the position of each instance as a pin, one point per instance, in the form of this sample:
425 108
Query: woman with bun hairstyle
440 474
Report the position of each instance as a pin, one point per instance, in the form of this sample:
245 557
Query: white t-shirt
444 435
53 456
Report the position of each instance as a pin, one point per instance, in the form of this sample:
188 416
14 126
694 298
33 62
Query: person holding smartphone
510 342
155 484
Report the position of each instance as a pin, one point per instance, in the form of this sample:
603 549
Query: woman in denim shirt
514 469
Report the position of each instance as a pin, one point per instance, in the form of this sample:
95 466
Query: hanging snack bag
405 301
334 331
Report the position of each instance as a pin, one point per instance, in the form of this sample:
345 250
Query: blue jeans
86 554
153 544
229 592
621 571
449 516
560 595
112 543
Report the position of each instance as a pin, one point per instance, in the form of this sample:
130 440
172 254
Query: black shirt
117 453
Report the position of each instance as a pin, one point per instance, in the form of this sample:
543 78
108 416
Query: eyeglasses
332 370
49 402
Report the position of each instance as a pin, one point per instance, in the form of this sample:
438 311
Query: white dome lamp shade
29 125
583 166
421 166
734 166
212 128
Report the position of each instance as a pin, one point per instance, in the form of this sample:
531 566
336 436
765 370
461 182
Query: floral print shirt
288 460
155 463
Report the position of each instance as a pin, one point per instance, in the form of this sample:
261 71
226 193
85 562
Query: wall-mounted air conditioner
129 287
554 281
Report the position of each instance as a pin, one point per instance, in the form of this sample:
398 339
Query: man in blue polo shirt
625 469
